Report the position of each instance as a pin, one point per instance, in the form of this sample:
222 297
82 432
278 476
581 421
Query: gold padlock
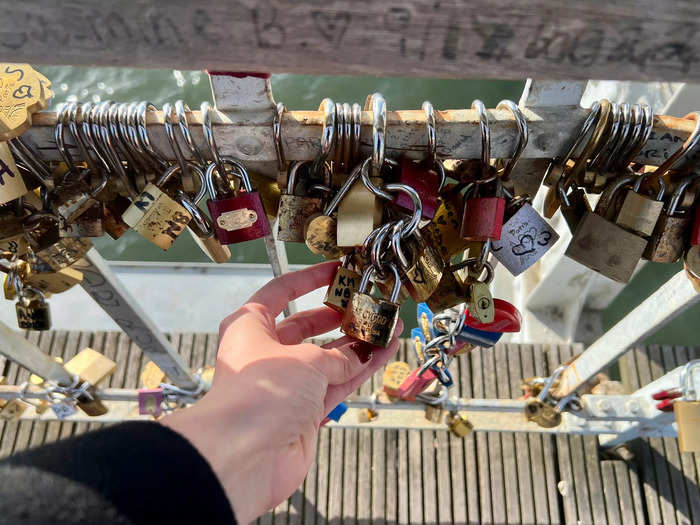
152 376
687 409
345 283
442 232
13 410
459 425
395 374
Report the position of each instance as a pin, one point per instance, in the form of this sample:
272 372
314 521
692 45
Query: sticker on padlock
695 233
239 216
150 402
507 318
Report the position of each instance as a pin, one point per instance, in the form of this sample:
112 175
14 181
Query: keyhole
484 303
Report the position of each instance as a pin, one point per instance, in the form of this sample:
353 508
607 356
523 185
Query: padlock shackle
612 136
413 224
606 198
662 185
404 263
177 168
550 382
367 274
237 171
679 191
200 224
327 132
378 247
345 188
377 105
277 136
523 135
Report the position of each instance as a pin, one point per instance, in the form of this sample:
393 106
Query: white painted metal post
24 353
106 289
664 305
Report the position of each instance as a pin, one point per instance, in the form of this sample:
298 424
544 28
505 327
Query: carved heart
332 25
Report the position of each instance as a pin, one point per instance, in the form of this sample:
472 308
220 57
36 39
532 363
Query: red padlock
507 318
483 218
695 236
415 384
665 406
425 181
666 394
237 216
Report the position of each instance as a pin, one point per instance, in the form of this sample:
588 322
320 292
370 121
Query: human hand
258 425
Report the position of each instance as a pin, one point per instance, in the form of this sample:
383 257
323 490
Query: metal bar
664 305
24 353
277 255
106 289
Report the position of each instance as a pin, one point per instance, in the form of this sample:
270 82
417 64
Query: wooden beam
628 39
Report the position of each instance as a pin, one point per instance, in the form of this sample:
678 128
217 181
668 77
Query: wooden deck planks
365 476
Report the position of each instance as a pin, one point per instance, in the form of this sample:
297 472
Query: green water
305 93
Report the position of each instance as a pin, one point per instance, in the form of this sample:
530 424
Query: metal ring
277 133
328 131
413 224
170 135
432 132
347 132
181 110
205 109
141 126
523 135
478 105
356 133
598 155
340 139
202 225
622 138
376 103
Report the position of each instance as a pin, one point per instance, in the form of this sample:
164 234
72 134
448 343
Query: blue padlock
337 412
478 337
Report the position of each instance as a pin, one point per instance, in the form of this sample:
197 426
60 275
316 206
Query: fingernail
363 351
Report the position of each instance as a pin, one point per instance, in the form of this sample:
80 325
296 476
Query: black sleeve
131 474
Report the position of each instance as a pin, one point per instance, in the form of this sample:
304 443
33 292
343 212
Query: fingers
277 293
308 323
380 357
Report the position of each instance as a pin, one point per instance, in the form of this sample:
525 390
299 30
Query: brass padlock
450 292
345 283
442 232
296 208
602 245
459 425
202 231
372 319
687 409
359 211
669 237
544 414
422 271
152 376
479 299
63 253
395 374
158 217
32 310
434 413
574 205
640 213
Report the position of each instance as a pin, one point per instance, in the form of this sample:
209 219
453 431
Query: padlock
443 231
459 425
63 253
478 297
434 413
345 283
157 216
12 410
525 237
91 366
416 383
112 221
90 223
687 409
639 213
12 184
426 181
359 211
695 233
32 310
482 219
239 216
668 240
507 318
475 337
691 263
64 408
451 291
202 231
422 271
41 230
297 207
152 376
371 319
544 414
602 245
72 200
150 402
55 282
574 205
395 374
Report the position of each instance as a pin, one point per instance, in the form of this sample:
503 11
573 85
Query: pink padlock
414 384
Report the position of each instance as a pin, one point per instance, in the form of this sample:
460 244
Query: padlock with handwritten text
443 232
157 216
525 237
345 283
238 216
63 253
32 310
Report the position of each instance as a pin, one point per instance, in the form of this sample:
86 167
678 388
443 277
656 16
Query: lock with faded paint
297 207
639 213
